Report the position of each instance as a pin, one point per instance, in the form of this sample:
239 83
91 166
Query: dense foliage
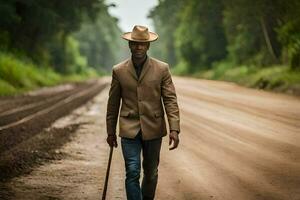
20 75
100 42
199 34
45 32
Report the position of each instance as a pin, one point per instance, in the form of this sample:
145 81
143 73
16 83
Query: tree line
199 34
67 35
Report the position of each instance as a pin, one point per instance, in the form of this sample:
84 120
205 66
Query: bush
278 78
6 88
20 74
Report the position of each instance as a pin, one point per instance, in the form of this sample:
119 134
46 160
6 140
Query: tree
166 19
100 41
32 26
200 36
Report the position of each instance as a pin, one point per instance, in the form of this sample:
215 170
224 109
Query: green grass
6 88
276 78
18 75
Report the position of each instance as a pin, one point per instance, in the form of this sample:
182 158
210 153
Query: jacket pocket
129 114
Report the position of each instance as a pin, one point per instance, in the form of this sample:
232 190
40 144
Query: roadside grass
275 78
6 88
18 76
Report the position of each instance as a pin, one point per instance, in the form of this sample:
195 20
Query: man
145 87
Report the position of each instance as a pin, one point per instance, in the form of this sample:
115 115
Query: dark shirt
138 68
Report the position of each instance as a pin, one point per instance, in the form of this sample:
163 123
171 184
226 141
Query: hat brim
152 37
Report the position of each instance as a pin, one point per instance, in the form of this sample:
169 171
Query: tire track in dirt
229 152
80 174
235 143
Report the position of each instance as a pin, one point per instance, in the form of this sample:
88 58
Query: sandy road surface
236 144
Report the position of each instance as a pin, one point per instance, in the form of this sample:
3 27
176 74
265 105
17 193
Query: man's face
139 49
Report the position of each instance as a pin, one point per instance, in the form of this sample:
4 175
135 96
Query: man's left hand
173 138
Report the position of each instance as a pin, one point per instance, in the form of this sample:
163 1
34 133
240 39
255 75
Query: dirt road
236 144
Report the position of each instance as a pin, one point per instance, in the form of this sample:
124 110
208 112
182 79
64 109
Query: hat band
140 35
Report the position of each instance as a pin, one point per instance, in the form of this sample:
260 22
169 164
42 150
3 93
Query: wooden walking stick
107 173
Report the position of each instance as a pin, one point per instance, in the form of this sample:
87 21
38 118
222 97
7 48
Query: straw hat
140 34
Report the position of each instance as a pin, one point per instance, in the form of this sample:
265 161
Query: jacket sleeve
113 105
170 100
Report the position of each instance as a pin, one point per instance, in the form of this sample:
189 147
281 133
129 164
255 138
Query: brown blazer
143 100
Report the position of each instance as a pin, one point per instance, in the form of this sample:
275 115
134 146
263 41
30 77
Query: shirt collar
142 63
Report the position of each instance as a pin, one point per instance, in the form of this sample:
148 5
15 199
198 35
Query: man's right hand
112 140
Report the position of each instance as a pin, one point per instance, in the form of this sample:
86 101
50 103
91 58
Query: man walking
145 86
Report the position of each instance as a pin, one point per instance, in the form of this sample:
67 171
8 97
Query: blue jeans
131 149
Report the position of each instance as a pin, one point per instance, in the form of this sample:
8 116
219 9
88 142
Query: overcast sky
132 12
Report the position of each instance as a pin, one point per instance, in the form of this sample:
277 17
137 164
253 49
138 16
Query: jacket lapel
131 69
145 69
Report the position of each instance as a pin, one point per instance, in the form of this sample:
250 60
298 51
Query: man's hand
173 138
112 140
